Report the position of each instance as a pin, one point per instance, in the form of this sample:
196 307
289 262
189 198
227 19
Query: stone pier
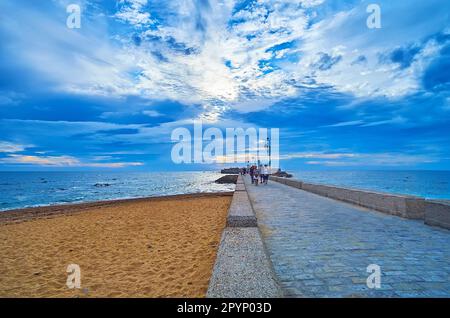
436 213
322 247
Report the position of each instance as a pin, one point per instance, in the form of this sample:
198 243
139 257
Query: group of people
257 174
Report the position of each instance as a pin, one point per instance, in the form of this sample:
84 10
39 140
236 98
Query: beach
155 247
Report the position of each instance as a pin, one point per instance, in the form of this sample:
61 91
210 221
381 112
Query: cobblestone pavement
320 247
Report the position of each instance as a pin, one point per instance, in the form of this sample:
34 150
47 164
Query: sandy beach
157 247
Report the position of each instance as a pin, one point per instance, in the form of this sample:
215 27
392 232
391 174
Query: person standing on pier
252 171
256 174
261 174
265 174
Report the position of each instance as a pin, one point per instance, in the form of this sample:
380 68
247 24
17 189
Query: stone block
437 213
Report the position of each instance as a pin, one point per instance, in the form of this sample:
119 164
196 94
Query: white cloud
212 55
375 159
347 123
395 120
132 12
203 76
62 161
317 155
75 60
9 147
151 113
346 35
337 159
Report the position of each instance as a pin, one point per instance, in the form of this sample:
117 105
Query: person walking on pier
256 174
252 172
265 174
261 174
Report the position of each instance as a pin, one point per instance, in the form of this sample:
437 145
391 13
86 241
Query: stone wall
242 268
437 213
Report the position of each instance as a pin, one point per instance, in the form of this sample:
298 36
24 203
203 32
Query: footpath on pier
320 247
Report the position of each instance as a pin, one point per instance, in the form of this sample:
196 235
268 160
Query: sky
107 96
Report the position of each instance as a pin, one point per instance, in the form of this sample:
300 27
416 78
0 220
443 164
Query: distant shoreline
47 211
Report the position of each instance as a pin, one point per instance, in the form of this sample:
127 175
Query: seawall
242 268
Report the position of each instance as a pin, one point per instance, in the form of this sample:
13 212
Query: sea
422 183
31 189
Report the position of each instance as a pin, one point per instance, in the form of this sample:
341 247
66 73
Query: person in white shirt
265 173
261 174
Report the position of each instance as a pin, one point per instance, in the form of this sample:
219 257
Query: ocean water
29 189
426 184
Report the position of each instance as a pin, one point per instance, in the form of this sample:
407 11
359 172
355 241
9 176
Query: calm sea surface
28 189
427 184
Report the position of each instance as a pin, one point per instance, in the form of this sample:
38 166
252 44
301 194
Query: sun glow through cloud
137 69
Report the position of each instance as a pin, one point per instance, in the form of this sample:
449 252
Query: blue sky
108 95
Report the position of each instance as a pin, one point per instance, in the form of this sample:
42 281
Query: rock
101 185
227 179
282 174
231 171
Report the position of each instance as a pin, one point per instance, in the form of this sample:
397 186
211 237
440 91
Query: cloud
395 120
80 61
132 11
404 56
317 155
138 69
62 161
326 62
251 154
360 60
9 147
377 159
347 123
152 113
331 159
360 70
230 52
435 79
10 98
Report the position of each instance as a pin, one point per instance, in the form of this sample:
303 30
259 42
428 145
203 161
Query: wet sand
158 247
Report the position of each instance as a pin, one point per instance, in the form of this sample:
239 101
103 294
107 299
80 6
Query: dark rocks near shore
282 174
230 171
101 185
227 179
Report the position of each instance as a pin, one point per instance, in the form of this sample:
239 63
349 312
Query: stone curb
242 268
241 213
240 187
